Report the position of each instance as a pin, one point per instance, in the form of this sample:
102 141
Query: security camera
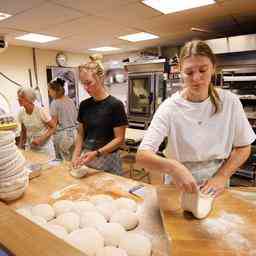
3 44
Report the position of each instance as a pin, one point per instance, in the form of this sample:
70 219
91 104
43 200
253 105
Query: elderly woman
209 134
102 123
37 125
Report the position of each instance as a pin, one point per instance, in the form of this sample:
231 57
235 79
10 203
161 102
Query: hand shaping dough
198 204
79 172
88 240
111 251
136 245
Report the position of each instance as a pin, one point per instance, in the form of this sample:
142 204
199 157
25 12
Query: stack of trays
13 174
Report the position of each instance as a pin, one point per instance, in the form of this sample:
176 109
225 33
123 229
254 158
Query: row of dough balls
101 217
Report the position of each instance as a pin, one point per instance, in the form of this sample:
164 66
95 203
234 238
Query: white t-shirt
194 132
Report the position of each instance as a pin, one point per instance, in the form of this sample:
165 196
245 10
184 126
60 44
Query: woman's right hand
76 162
183 179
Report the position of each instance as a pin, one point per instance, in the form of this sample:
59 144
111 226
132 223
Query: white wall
15 63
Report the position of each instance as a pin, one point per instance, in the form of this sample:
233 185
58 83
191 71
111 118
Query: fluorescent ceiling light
39 38
4 16
104 49
169 6
138 37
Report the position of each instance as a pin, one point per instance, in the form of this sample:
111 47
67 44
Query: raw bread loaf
198 204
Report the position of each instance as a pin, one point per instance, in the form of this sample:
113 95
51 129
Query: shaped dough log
198 204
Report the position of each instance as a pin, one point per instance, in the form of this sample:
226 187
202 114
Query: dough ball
69 220
100 199
124 203
40 221
107 209
81 207
136 245
79 172
129 220
92 219
24 212
112 233
111 251
43 210
57 230
62 206
87 240
53 222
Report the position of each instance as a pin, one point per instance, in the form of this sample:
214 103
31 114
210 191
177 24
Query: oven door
141 93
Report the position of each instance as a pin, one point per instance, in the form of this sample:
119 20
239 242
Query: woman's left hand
214 186
87 157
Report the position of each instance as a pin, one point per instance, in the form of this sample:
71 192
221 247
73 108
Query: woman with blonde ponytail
209 134
102 122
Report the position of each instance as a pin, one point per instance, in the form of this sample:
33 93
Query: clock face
61 59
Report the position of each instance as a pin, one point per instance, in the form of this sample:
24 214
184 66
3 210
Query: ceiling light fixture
38 38
142 36
104 49
170 6
4 16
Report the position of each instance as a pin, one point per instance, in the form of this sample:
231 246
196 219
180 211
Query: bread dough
57 230
24 212
112 233
69 220
80 207
136 245
126 204
40 221
92 219
100 199
198 204
107 209
43 210
62 206
129 220
87 240
111 251
79 172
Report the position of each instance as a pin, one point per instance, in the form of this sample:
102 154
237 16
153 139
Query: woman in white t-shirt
208 133
37 125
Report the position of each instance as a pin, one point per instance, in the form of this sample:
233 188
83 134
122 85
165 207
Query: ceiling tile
95 6
45 15
17 6
88 26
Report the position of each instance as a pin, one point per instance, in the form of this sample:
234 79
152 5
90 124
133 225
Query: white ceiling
83 24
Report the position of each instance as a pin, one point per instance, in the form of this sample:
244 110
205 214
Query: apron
64 142
110 163
35 127
201 171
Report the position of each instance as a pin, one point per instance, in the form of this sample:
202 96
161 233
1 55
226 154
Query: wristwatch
98 153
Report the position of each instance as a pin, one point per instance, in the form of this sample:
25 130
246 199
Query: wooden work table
56 183
229 230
